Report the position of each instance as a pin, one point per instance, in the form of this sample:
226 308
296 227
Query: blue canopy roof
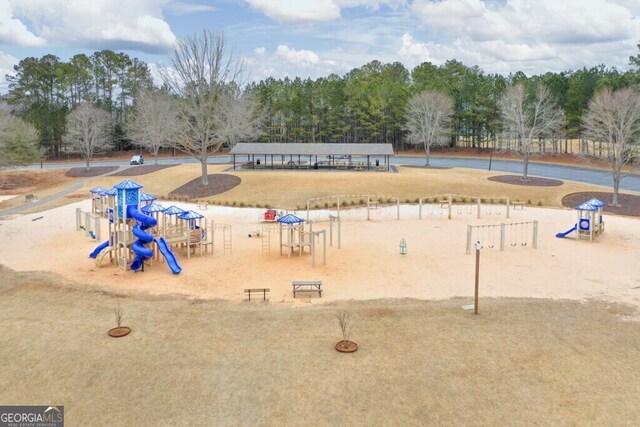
173 210
586 207
290 219
146 197
110 192
97 190
153 207
190 215
595 202
127 184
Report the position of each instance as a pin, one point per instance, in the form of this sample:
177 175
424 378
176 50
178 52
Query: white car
136 160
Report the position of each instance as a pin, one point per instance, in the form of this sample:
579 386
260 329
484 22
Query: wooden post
398 207
475 304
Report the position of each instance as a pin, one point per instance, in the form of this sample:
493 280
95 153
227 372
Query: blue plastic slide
571 230
98 249
168 255
138 248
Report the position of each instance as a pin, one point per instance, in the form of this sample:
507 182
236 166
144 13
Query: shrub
539 202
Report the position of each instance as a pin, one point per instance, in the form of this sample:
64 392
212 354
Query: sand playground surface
367 266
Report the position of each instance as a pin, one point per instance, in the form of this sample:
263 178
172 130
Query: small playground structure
296 239
590 223
271 215
503 235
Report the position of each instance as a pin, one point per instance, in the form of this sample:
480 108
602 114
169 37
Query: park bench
307 286
30 198
517 204
203 205
263 291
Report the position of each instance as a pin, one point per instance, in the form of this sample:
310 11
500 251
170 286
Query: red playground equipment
271 215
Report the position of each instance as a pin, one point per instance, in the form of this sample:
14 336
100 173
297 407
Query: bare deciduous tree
88 131
529 119
155 122
346 324
429 120
614 118
239 116
201 66
18 141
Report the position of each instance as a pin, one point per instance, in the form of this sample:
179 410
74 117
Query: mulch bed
218 183
141 170
93 171
629 204
530 182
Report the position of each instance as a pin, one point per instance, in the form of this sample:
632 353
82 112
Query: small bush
267 206
233 203
539 202
326 204
242 205
529 201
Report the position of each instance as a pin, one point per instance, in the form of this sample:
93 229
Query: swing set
515 234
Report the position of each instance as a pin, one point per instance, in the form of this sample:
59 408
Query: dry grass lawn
291 189
193 362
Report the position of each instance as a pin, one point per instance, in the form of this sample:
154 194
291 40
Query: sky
313 38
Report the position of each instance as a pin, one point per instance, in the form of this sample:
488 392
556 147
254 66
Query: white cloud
297 10
535 37
260 50
185 8
301 58
116 24
13 31
545 21
291 11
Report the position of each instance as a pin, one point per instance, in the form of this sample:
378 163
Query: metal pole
398 207
469 231
535 234
450 198
420 208
368 207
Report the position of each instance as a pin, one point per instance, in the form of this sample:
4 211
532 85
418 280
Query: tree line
369 103
43 91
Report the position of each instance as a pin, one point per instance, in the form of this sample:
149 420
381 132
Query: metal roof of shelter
586 207
153 207
190 215
596 203
127 184
146 197
173 210
312 149
290 219
97 190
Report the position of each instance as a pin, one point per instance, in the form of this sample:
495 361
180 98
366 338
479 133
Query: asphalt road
546 170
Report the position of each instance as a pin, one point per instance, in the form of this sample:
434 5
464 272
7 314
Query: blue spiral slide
144 238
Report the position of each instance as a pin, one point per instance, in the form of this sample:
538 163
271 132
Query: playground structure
503 235
449 204
271 215
464 205
590 223
296 239
89 223
134 236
